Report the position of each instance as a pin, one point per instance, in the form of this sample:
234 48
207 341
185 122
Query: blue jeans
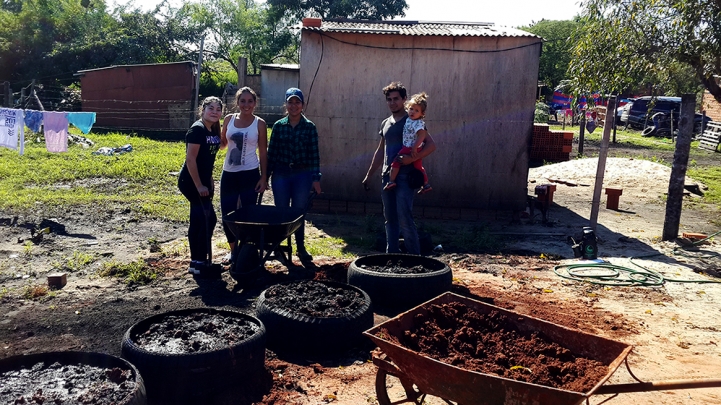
398 212
291 188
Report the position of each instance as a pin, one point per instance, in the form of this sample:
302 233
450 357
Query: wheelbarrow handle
657 386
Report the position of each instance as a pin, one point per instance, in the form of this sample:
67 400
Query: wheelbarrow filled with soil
470 352
260 230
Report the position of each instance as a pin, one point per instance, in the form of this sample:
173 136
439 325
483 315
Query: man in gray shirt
397 202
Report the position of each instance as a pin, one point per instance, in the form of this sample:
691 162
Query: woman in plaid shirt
294 162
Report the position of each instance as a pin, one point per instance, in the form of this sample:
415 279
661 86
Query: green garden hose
614 275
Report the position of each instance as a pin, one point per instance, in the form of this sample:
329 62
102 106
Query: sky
511 13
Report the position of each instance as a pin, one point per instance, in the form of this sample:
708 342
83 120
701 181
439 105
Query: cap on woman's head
294 92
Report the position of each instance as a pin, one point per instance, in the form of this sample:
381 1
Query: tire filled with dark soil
400 281
314 317
456 334
70 378
192 354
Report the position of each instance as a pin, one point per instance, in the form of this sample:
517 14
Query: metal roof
280 66
419 28
138 65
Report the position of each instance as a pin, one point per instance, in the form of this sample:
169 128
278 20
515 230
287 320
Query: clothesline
54 123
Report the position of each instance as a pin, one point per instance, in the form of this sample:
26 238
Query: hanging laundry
33 120
82 120
56 131
12 129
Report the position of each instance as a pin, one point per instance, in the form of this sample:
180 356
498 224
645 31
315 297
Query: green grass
139 180
711 176
133 273
76 262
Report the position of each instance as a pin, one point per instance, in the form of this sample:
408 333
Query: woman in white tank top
244 170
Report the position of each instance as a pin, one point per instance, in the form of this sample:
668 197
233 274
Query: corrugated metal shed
481 80
147 97
419 28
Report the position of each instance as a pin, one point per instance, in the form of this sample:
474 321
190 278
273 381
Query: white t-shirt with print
410 129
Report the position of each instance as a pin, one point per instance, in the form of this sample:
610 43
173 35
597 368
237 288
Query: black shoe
209 271
304 256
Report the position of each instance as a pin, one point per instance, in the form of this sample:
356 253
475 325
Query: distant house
481 81
153 97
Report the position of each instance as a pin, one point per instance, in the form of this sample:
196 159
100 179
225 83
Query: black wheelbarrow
421 375
260 231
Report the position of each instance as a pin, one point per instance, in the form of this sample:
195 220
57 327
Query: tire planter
291 332
193 377
136 395
400 291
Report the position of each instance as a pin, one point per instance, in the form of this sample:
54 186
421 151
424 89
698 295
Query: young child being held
414 134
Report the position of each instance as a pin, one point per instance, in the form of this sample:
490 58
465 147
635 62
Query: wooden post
22 97
615 112
601 168
242 71
582 131
8 95
197 82
678 170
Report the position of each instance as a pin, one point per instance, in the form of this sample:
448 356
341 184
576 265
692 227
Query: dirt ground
675 328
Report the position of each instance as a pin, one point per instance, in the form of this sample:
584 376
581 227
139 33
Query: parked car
622 114
643 109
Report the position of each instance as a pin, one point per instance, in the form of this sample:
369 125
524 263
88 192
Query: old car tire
185 377
648 131
400 291
290 332
136 397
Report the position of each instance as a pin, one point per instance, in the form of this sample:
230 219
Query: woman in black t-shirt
196 183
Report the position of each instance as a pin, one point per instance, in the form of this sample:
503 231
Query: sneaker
426 188
209 271
304 256
195 267
390 186
227 259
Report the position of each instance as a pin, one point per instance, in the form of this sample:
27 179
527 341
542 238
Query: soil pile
489 343
314 299
398 267
66 384
199 332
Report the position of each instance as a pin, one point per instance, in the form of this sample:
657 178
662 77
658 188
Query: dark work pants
237 189
202 221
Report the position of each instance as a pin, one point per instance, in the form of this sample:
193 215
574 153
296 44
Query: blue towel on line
33 120
82 120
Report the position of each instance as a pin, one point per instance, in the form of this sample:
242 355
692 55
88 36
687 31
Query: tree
621 41
50 40
357 9
557 48
243 28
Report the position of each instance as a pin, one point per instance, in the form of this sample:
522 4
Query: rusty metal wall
140 97
480 111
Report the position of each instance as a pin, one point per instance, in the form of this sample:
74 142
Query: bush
542 113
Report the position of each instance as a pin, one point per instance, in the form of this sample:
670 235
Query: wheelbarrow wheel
412 394
247 265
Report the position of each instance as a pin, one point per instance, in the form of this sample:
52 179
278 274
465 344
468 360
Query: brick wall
711 106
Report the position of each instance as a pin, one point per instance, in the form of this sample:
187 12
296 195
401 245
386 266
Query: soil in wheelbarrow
489 343
397 266
197 332
314 299
66 384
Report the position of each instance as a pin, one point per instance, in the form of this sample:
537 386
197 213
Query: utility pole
601 168
674 201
